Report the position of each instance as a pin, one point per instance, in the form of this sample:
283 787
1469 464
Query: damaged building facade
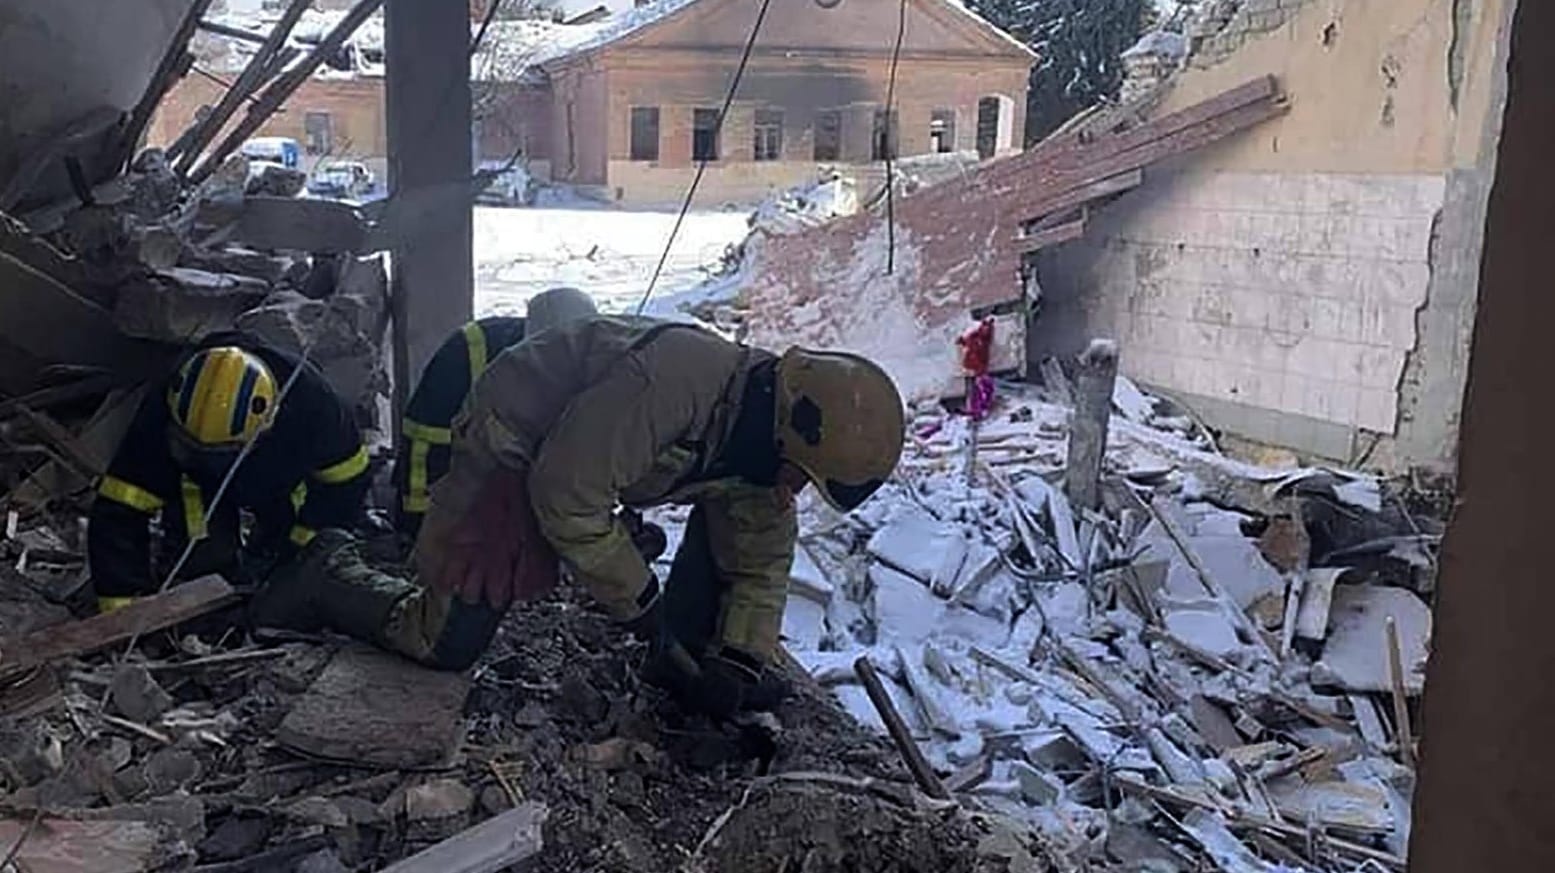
1310 283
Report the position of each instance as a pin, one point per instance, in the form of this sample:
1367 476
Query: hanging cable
890 142
685 206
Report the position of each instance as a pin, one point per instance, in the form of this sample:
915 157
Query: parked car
510 187
274 149
345 180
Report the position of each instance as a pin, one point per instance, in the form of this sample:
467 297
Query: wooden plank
1052 236
249 81
375 709
282 88
1108 187
1094 378
925 776
171 69
189 600
492 845
63 846
1406 741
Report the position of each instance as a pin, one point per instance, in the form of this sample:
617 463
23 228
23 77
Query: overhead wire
696 180
890 134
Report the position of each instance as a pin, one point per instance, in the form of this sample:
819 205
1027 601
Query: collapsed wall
1312 283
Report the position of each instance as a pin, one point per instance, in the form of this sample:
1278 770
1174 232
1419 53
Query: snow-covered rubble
1106 683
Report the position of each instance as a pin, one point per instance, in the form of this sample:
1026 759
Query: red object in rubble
977 348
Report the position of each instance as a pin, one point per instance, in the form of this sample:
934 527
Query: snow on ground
607 252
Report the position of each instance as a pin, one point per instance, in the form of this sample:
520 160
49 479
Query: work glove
496 553
716 685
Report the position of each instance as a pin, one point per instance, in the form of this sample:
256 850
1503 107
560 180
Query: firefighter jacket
446 381
637 412
307 472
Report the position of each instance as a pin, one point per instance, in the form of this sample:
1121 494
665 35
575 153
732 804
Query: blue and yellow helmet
223 396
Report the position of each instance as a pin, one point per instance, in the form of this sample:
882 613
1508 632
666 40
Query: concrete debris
1355 656
442 798
60 846
182 305
374 709
1141 638
137 696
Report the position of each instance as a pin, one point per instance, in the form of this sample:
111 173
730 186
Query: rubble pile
206 747
1194 675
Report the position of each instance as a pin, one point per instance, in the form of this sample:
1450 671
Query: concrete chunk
1355 657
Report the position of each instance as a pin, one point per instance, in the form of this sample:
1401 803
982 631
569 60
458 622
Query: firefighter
306 470
571 422
446 381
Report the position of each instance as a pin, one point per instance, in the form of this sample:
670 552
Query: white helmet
556 307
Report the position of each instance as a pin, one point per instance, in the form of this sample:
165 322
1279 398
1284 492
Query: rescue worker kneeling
445 383
306 470
567 424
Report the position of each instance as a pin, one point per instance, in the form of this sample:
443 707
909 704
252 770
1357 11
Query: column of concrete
427 56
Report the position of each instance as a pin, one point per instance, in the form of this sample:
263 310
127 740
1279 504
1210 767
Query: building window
319 133
987 127
645 133
942 131
828 135
704 134
885 137
769 135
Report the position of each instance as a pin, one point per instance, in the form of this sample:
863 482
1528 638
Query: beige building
1312 282
630 106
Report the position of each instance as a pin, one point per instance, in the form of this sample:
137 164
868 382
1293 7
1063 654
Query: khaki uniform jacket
634 411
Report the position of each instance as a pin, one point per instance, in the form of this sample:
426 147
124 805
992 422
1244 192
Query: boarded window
704 134
645 133
987 126
769 135
884 138
828 135
942 131
318 131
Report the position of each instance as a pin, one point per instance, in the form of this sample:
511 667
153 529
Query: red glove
496 553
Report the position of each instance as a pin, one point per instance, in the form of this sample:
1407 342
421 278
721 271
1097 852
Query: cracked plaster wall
1310 283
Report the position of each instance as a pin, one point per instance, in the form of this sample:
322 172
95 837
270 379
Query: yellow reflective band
475 343
416 493
299 496
106 605
437 436
194 509
301 536
344 471
133 496
417 504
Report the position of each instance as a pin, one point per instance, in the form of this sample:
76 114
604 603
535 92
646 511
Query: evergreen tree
1078 44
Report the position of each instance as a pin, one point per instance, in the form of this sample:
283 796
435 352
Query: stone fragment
137 696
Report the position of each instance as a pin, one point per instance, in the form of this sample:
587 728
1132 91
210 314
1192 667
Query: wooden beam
1098 373
250 80
1052 236
925 776
282 88
144 615
1108 187
172 68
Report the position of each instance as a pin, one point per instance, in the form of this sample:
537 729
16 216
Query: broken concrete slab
1204 624
62 846
378 710
306 225
182 305
1355 657
44 322
904 604
913 544
804 623
492 845
137 696
1354 807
